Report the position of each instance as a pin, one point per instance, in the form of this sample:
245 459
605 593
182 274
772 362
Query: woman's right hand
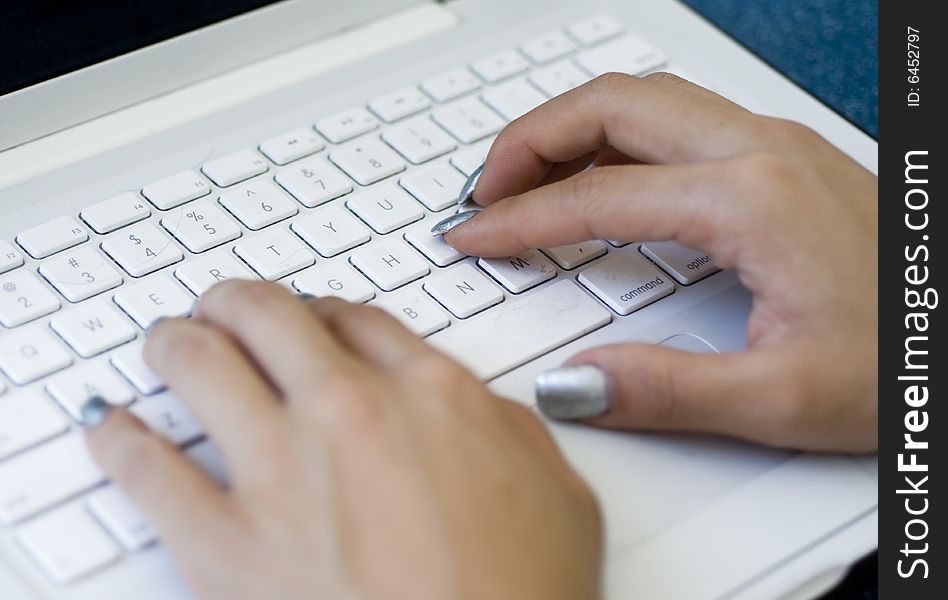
769 198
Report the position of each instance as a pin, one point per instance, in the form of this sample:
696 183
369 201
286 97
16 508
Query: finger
655 119
184 504
757 396
205 367
278 331
693 204
370 332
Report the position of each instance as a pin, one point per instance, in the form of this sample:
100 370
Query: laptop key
176 189
259 203
167 416
201 226
112 508
156 297
520 273
450 85
399 104
81 273
26 419
558 78
73 387
367 160
684 264
93 327
575 255
32 353
468 160
469 120
436 186
52 237
627 54
68 544
548 47
24 298
275 253
10 257
416 311
595 29
500 66
419 140
626 282
390 263
131 364
142 249
345 125
234 168
386 208
314 181
337 279
463 290
433 247
514 98
202 274
115 213
292 145
331 230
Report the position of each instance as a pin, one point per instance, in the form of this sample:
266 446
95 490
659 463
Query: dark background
830 48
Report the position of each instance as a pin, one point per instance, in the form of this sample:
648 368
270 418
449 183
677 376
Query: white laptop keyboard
339 207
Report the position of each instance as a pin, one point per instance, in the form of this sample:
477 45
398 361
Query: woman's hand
364 464
769 198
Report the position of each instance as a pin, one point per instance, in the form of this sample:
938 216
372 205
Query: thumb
749 395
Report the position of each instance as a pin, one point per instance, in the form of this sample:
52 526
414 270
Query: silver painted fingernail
467 190
94 411
154 324
305 297
446 225
574 392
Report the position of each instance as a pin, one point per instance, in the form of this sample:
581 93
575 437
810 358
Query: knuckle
763 171
665 78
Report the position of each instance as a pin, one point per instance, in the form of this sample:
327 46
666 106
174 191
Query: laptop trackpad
688 343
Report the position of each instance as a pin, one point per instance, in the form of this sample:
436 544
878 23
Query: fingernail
467 190
574 392
94 411
446 225
306 297
154 324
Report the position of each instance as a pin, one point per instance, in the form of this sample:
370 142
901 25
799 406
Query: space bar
520 330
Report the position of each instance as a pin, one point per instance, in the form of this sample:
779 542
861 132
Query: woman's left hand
364 464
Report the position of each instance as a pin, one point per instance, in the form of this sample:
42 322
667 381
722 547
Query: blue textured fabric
828 47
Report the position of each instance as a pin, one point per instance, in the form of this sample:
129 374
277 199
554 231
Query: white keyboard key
314 181
200 275
234 168
595 29
131 365
121 518
415 310
331 230
337 279
367 160
73 387
528 327
177 189
463 290
548 47
499 66
419 140
44 476
390 263
81 273
513 99
209 457
142 249
468 160
24 298
346 125
627 54
450 85
115 213
154 298
275 253
626 282
167 416
469 120
68 544
399 104
10 257
520 273
559 78
386 207
574 255
433 247
259 203
52 237
292 145
436 186
93 327
684 264
31 353
201 226
27 418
